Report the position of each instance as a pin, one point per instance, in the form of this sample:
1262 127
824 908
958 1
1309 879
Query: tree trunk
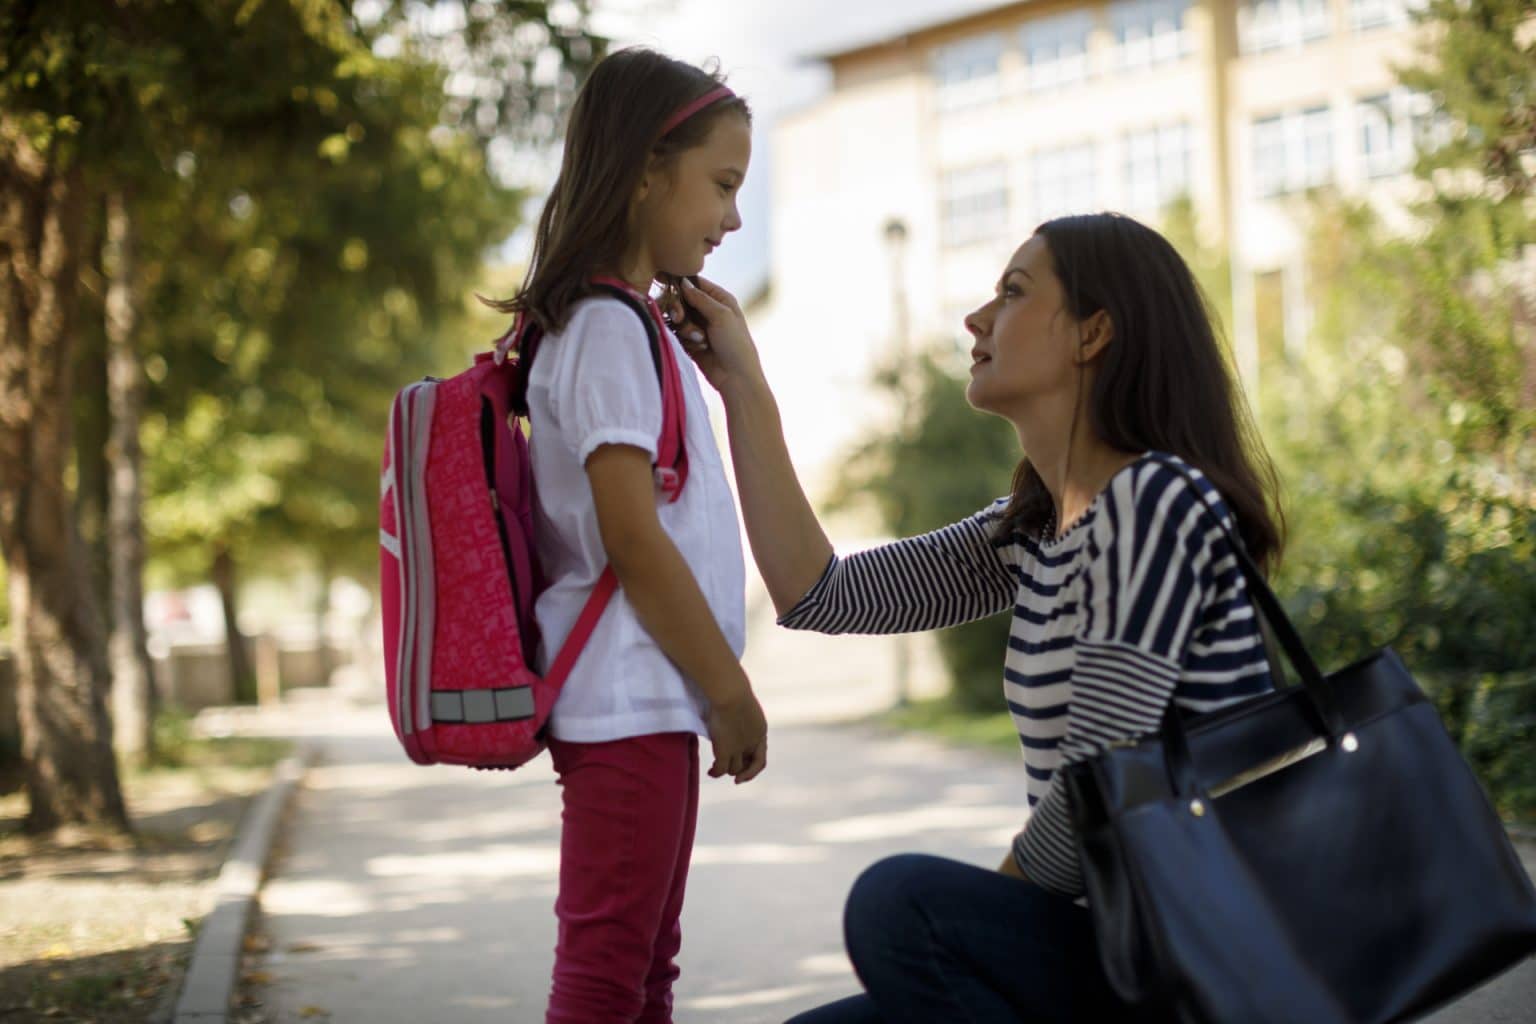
241 676
92 421
133 674
61 663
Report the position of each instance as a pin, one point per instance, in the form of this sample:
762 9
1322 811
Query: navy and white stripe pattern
1140 601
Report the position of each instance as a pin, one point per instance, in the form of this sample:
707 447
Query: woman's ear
1094 336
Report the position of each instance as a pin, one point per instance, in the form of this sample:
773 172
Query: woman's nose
974 323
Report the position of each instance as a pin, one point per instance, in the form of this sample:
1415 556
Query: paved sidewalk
411 894
407 894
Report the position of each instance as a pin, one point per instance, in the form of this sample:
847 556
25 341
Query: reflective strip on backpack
418 527
471 707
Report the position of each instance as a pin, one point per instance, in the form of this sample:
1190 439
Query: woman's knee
883 900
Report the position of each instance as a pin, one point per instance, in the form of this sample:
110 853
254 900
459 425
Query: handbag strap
1273 613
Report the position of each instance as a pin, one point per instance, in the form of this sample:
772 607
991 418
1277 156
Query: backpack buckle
668 481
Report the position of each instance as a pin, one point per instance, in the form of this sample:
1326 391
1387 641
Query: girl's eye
726 187
1012 291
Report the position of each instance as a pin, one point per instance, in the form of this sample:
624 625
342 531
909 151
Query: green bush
943 462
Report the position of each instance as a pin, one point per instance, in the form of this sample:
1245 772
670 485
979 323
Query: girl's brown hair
1164 383
614 130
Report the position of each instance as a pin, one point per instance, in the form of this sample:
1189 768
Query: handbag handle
1273 613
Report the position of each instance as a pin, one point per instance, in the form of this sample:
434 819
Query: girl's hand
724 352
739 734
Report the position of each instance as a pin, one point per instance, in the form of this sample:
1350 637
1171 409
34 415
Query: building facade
898 195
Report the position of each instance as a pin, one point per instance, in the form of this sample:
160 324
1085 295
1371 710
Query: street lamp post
895 232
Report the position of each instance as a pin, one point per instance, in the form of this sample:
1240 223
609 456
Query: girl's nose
733 219
975 324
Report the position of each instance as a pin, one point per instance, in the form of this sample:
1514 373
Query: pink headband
708 99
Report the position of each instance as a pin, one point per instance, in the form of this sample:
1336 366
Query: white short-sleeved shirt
594 383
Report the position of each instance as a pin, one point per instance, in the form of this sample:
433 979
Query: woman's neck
1073 468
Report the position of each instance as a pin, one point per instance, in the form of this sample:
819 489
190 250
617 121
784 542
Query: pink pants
625 843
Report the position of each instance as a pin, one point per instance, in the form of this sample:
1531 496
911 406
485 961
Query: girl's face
1028 347
685 209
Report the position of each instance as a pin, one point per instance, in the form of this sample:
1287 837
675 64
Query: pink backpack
457 565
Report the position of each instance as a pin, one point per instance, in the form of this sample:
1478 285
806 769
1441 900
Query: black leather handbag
1317 855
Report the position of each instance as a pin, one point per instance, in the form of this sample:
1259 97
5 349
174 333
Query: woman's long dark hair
614 130
1163 383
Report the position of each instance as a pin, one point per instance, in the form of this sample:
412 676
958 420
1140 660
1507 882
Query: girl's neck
637 268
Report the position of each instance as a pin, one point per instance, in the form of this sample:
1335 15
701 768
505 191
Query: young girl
1124 591
655 153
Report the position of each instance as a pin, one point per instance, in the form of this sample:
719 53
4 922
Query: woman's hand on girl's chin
725 352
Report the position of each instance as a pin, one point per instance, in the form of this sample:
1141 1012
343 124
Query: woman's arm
788 544
940 579
669 604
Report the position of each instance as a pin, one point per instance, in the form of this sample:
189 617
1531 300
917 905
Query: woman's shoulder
1160 494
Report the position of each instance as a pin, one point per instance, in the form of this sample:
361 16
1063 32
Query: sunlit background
233 231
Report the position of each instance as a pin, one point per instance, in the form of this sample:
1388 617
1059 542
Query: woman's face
1026 342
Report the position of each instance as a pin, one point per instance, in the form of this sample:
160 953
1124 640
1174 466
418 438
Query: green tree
161 130
1405 431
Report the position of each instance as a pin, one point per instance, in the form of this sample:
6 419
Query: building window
1391 127
1368 14
1157 166
1148 32
1065 182
1264 25
1292 151
974 204
967 72
1056 49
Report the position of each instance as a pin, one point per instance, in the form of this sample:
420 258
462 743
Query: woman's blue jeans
935 941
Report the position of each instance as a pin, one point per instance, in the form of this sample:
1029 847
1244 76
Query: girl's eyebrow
740 174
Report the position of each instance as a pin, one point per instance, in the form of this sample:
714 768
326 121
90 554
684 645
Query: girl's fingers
756 761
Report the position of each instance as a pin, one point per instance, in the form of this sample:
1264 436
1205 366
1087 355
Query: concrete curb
209 984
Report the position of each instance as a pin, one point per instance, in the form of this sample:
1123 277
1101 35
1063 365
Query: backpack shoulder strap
671 451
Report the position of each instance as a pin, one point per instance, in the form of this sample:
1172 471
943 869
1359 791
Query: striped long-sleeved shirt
1139 602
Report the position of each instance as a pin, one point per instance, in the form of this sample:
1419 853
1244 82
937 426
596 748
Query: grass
179 748
104 923
939 717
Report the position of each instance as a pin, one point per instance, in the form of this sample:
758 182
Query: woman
1124 591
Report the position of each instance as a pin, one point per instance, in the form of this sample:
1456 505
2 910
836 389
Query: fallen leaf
257 943
314 1011
258 977
304 947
